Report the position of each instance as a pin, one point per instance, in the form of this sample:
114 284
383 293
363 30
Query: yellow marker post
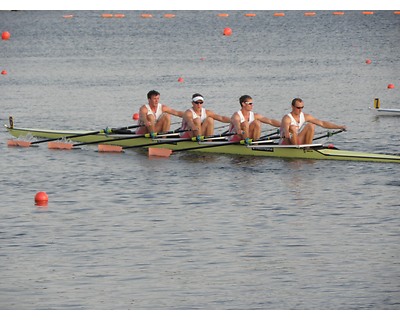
377 103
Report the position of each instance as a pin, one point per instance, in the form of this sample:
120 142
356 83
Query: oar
163 152
111 148
276 131
20 143
69 146
328 134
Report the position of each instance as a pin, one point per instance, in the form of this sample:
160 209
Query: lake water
122 231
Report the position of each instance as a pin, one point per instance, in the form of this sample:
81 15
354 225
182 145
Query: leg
306 135
142 130
164 123
255 130
207 127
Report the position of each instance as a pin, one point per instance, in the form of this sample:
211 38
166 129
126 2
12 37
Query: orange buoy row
225 15
110 15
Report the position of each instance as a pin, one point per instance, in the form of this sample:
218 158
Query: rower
199 121
298 127
246 123
154 116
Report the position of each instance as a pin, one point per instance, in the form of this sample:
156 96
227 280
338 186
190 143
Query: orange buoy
106 15
169 15
338 13
390 86
249 14
396 12
227 32
180 79
5 35
68 16
41 198
368 61
279 14
135 116
309 14
223 15
146 15
368 12
119 15
4 72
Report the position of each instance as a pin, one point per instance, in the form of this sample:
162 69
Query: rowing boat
266 149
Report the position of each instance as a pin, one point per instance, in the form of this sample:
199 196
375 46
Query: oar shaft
145 135
328 134
82 134
176 140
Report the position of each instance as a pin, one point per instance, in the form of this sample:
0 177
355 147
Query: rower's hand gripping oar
20 143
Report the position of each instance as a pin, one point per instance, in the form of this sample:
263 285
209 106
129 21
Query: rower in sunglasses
246 123
298 127
199 120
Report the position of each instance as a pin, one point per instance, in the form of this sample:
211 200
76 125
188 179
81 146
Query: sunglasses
299 108
249 103
198 102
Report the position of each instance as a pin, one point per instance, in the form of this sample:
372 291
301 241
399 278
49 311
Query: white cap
198 98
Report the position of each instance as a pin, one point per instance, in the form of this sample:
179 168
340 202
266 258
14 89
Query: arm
323 124
174 112
188 118
285 127
217 117
272 122
147 120
238 128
